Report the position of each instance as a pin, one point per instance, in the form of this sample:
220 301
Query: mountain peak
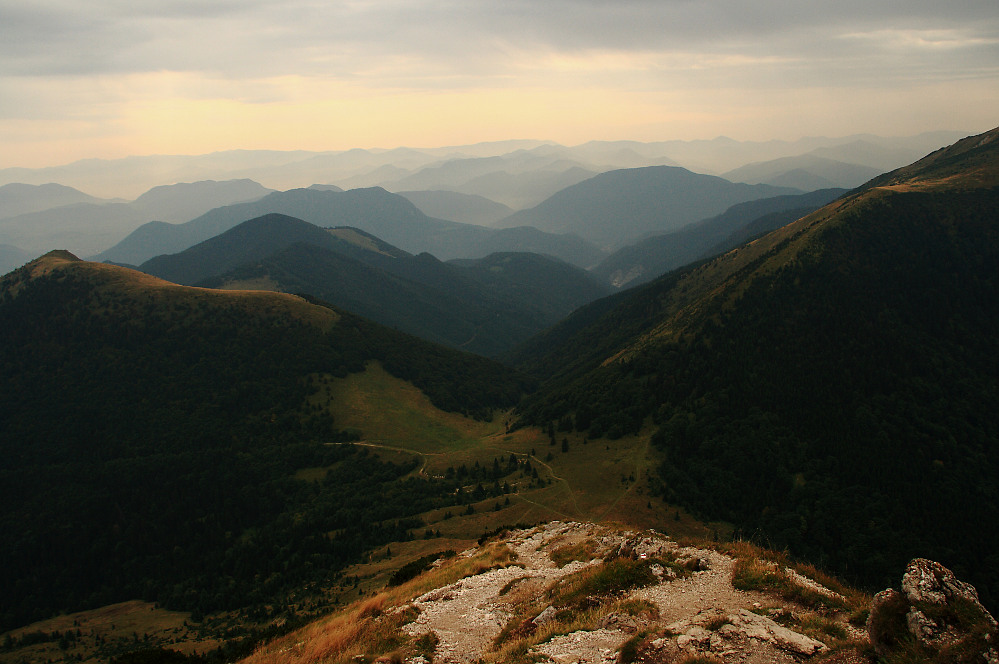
42 265
61 255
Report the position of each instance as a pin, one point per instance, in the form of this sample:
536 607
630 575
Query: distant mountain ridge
374 210
483 306
12 257
454 206
89 224
654 256
618 207
129 177
186 200
17 198
807 172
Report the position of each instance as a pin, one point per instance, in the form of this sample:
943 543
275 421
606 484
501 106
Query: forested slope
829 387
151 433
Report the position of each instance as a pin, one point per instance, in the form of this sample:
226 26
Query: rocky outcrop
930 582
935 616
685 607
736 628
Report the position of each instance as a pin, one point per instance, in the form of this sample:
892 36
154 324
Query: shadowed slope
825 385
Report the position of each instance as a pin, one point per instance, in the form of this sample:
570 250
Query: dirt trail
466 616
708 589
705 614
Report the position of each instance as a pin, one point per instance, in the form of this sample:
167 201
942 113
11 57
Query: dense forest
839 405
151 439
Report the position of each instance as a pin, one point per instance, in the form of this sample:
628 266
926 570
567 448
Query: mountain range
37 218
131 176
387 216
649 258
517 174
484 306
806 172
248 460
619 207
454 206
182 417
17 198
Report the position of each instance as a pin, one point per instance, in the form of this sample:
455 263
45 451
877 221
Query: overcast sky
110 78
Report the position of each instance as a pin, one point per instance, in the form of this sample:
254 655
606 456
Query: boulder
930 582
935 615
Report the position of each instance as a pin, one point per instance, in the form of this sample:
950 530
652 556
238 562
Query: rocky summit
578 592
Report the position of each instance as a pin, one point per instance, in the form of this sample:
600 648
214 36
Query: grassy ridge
152 432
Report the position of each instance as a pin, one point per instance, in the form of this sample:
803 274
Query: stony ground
703 614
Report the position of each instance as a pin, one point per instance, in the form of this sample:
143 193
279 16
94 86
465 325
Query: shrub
608 579
887 627
416 567
629 649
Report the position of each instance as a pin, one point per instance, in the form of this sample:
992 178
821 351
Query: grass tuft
629 649
754 574
602 581
581 551
717 623
639 608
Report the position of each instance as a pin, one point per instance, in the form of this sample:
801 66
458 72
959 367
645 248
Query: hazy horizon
379 149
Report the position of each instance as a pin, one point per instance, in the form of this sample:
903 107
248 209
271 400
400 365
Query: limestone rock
930 589
619 621
928 581
765 629
545 616
924 629
694 638
739 627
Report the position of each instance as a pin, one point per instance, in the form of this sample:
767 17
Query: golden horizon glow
195 77
171 113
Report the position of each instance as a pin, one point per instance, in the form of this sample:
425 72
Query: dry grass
516 649
391 412
255 284
108 626
640 608
581 551
766 571
145 288
754 574
370 627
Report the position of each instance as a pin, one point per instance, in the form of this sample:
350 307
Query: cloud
453 38
96 66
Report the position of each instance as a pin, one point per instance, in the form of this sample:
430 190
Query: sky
112 78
